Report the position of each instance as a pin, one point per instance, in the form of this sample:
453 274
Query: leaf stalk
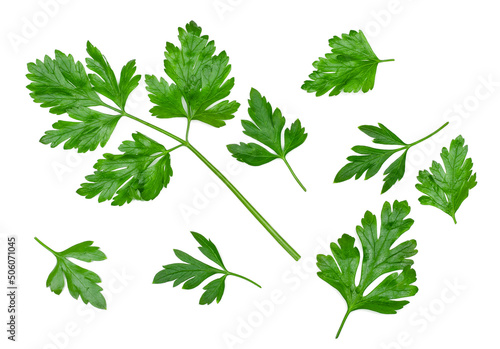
293 174
244 278
343 322
46 247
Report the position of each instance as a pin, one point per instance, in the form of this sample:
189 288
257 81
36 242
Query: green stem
342 324
187 128
427 137
386 60
231 187
247 204
293 174
244 278
173 148
47 247
454 218
178 139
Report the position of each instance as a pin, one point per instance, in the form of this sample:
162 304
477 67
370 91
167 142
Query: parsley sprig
193 272
198 91
370 160
82 283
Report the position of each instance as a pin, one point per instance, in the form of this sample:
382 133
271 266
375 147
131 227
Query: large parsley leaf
63 85
81 282
193 272
350 67
140 173
379 258
370 160
266 127
446 188
200 81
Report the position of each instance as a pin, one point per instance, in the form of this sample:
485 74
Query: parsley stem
47 247
165 132
427 137
293 174
247 204
454 218
187 128
342 324
244 278
173 148
231 187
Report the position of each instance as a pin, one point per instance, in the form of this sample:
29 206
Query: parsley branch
198 91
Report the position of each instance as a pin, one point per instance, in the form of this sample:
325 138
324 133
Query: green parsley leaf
93 129
193 272
140 173
350 67
105 81
266 127
61 84
447 188
371 159
379 258
200 81
81 282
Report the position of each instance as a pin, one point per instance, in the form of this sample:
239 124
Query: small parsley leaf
447 188
92 129
104 81
379 258
266 127
350 67
81 282
140 173
193 272
200 81
370 160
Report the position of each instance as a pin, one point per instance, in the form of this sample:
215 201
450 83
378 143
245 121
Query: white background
444 52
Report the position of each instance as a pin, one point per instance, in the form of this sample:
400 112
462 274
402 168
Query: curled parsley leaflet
193 272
